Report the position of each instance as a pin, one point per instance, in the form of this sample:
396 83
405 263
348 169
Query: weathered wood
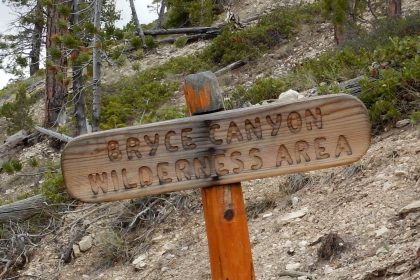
186 30
22 209
220 148
57 135
230 67
13 145
223 205
190 38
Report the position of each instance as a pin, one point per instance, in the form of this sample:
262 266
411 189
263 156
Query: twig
131 225
294 273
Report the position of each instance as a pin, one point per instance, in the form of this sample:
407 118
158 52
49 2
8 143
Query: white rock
401 172
328 269
293 215
382 231
288 96
303 277
76 251
267 215
293 266
295 201
139 262
381 251
412 207
402 123
86 243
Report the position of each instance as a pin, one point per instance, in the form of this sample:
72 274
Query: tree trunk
36 39
79 98
96 88
136 21
55 87
184 30
161 14
394 8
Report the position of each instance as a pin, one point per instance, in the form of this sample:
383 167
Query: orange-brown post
224 209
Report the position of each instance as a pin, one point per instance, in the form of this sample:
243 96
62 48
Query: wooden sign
214 149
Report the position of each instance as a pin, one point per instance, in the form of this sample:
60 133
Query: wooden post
224 209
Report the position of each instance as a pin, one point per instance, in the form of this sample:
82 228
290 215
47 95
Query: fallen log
190 38
57 135
12 145
230 67
22 209
185 30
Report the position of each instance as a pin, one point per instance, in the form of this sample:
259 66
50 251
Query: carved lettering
301 149
235 157
257 161
212 136
320 148
115 182
152 144
168 144
249 127
183 169
202 168
283 155
114 152
313 118
145 176
342 146
233 132
275 126
162 172
294 122
133 145
98 181
186 140
126 183
219 165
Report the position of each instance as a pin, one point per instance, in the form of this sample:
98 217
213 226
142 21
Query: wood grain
218 148
223 205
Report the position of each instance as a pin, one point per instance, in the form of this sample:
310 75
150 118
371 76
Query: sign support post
223 205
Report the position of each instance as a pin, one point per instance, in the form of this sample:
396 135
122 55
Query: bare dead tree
96 87
139 29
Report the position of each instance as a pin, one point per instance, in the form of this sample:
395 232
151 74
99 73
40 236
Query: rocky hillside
360 221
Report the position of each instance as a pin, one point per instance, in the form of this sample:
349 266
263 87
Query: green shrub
249 43
139 54
7 166
33 162
150 43
12 166
169 113
135 66
53 188
121 60
17 112
136 42
180 42
191 13
415 117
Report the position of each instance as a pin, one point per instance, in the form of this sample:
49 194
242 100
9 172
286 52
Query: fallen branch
57 135
22 209
230 67
294 273
12 145
186 30
190 38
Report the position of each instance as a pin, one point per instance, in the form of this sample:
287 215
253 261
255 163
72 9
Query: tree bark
36 39
22 209
97 69
55 88
136 21
79 98
394 8
161 14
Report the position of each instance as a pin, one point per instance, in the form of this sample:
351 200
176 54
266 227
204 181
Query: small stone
288 96
86 243
328 269
293 266
164 268
303 277
401 173
76 251
293 215
139 262
382 231
381 251
267 215
295 201
402 123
